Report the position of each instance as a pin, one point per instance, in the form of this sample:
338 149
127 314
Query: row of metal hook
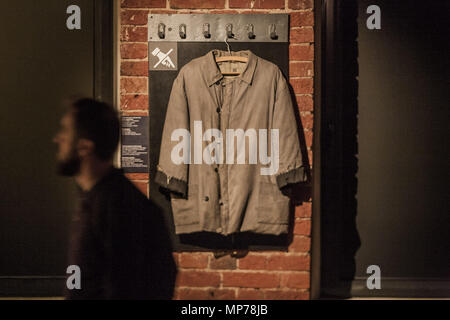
228 28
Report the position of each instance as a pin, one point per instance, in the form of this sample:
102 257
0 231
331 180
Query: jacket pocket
273 206
185 211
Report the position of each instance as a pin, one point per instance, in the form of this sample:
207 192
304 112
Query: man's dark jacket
120 242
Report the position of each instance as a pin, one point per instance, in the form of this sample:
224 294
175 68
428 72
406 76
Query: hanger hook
228 46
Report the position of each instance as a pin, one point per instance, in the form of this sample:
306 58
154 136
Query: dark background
42 63
385 150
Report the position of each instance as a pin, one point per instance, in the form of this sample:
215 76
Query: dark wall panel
404 78
384 149
160 83
41 62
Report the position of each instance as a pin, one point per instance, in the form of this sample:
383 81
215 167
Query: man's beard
70 166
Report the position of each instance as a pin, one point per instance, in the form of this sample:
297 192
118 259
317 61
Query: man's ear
85 147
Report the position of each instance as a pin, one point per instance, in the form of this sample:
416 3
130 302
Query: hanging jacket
241 148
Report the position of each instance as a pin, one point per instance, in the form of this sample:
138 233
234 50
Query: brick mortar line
132 60
126 77
130 113
134 110
245 288
300 218
146 26
301 27
298 44
291 43
273 288
297 77
135 42
208 10
244 271
255 253
135 25
210 253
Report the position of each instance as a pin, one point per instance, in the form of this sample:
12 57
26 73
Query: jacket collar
213 73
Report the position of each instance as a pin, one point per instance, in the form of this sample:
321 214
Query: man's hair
96 121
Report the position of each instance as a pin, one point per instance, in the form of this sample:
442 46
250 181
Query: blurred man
118 238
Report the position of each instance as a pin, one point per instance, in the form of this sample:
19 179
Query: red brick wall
258 275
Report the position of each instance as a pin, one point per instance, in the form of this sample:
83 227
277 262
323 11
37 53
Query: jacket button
218 110
221 203
216 170
206 198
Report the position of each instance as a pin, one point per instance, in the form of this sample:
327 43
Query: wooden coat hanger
230 57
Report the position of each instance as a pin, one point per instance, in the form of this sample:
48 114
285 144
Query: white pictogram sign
164 58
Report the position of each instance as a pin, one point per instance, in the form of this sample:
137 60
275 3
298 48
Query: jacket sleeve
171 173
291 164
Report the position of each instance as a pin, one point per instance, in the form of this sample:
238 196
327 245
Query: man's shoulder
117 187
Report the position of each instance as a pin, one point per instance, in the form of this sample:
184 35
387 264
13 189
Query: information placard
134 156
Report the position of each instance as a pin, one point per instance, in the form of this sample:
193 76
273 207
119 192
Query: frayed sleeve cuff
292 176
171 183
